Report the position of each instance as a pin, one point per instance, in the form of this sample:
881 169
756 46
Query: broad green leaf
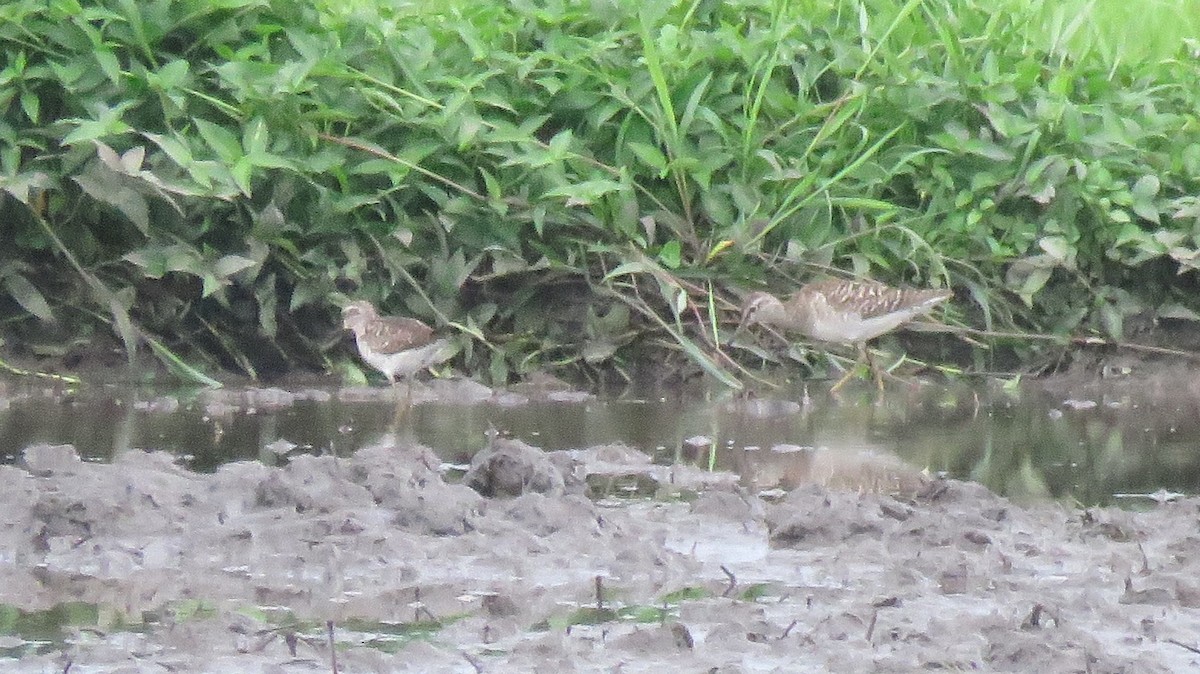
1034 282
108 64
254 137
650 156
241 171
171 74
131 161
107 122
669 255
1143 193
1146 187
28 296
586 192
107 187
1058 248
229 265
220 140
32 106
174 147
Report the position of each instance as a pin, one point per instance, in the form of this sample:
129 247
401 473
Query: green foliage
562 183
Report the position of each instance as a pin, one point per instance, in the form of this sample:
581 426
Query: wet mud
523 565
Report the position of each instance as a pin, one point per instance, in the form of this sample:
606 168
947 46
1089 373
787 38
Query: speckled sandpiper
842 311
397 346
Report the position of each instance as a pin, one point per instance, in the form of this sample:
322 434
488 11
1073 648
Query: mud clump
512 468
244 570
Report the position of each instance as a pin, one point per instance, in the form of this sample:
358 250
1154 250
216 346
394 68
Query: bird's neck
789 316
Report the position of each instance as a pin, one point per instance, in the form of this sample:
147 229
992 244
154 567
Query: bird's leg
402 427
402 402
850 372
398 413
875 371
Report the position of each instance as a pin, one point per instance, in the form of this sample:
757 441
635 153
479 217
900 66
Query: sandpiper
843 312
398 347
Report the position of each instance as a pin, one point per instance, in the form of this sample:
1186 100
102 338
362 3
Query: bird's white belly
850 328
404 363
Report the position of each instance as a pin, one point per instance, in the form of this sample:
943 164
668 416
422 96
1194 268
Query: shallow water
1021 442
388 560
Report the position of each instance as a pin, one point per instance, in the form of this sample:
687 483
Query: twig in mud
1184 646
732 581
1145 559
291 640
67 667
599 593
419 607
332 649
1035 617
788 630
871 626
474 661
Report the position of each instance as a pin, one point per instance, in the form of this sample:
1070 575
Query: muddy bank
242 570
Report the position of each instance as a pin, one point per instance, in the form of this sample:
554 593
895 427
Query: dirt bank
241 570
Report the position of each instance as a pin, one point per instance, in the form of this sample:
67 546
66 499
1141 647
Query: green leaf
106 122
1058 248
124 325
1033 283
650 156
171 75
109 64
1146 187
32 105
669 255
586 192
1143 193
224 143
229 265
28 296
178 366
241 171
107 186
633 267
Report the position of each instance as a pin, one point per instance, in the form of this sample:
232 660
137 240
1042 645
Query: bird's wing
869 299
397 333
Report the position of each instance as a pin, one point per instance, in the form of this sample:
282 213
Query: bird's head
357 314
759 307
